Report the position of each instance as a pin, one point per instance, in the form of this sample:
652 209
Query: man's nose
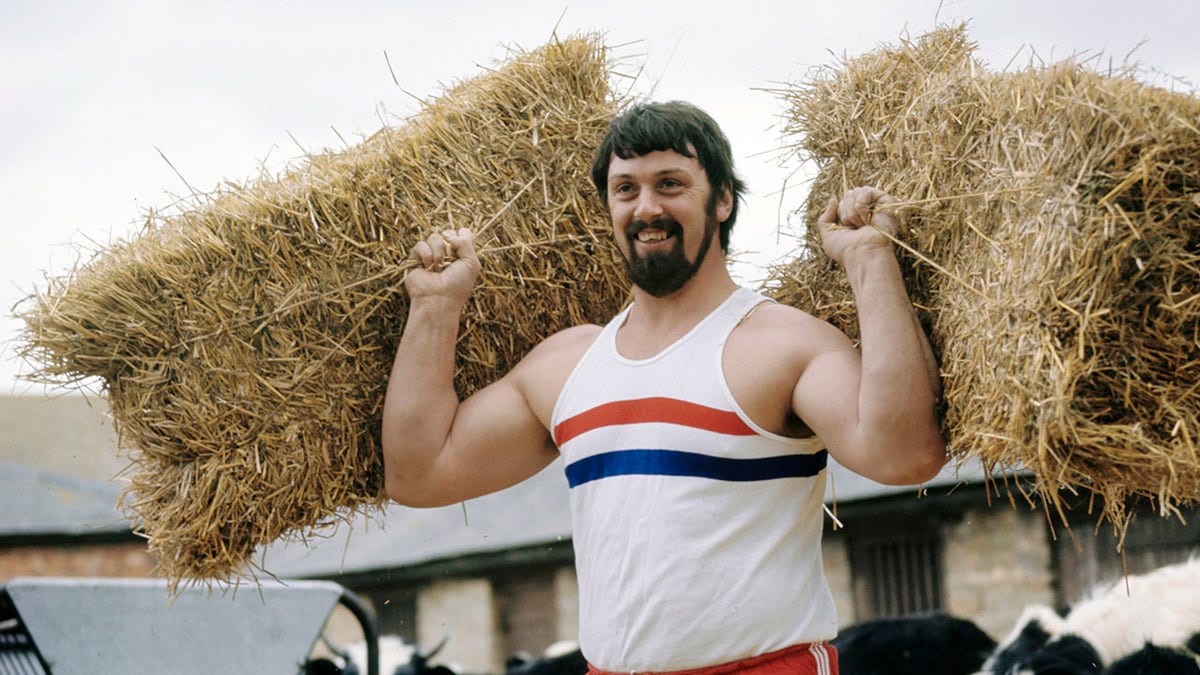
649 207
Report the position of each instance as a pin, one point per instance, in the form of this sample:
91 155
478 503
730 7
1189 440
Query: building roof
69 435
58 462
35 502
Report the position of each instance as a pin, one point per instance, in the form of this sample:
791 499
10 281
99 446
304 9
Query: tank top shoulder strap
736 307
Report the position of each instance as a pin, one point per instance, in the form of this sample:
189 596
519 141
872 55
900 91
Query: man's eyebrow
660 172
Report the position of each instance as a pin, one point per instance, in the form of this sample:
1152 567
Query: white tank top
697 533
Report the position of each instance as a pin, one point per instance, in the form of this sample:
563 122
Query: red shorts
817 658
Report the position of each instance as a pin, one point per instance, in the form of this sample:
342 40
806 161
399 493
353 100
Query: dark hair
678 126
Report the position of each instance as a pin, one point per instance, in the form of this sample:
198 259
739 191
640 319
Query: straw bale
1050 245
244 344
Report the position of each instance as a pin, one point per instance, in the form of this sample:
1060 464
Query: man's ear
724 206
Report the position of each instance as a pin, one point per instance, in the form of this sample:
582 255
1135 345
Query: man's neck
656 322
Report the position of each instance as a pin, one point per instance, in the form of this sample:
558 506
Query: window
896 567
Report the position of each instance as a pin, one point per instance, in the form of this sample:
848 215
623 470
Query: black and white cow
1160 609
1027 648
562 658
395 658
927 644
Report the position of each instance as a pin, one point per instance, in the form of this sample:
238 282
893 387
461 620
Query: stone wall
996 561
463 611
566 597
837 574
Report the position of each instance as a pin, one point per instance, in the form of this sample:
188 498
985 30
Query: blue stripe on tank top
678 463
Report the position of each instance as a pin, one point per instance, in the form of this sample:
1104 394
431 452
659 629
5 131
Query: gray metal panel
131 626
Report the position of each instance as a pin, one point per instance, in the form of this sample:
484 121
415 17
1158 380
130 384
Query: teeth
651 235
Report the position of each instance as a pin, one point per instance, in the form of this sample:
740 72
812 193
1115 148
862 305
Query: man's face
663 221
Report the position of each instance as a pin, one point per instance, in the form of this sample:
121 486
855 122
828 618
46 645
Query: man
694 426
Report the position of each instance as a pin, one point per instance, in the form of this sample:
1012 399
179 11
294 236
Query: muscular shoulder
788 332
543 372
568 344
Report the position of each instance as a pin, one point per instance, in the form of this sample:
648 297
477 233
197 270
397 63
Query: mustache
668 225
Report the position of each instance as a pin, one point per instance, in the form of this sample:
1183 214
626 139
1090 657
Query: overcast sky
94 95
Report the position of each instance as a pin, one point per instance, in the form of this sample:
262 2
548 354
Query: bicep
500 434
495 441
826 398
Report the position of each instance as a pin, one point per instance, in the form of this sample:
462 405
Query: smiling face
664 217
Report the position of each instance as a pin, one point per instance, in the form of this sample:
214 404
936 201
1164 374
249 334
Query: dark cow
1154 660
1066 655
419 663
324 666
927 644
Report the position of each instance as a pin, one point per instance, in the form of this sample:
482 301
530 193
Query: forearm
421 401
900 383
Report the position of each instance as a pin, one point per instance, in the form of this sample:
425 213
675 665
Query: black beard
661 274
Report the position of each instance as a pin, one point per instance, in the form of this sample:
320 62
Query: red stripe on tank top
656 409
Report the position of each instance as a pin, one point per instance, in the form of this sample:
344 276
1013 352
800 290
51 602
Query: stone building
495 575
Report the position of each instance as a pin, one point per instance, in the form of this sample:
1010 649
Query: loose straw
1062 197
